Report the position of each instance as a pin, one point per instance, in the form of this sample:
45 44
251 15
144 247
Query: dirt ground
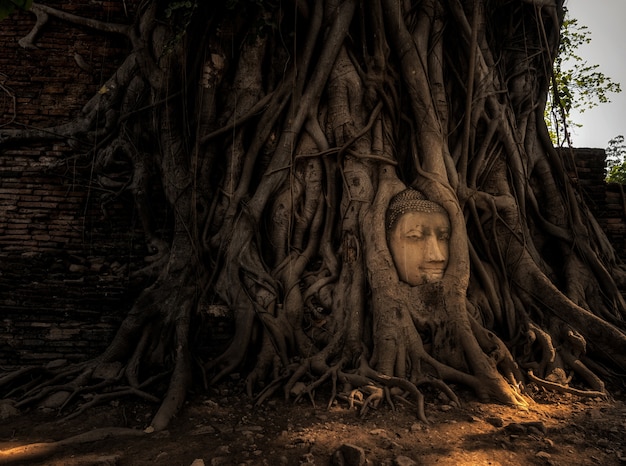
223 428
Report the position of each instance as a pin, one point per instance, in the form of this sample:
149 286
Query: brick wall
64 255
606 201
612 218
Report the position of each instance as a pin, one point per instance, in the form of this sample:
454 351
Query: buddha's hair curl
409 200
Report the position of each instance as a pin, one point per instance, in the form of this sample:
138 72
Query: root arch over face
278 137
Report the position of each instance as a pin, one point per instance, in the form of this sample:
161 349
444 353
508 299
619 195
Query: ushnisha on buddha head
418 235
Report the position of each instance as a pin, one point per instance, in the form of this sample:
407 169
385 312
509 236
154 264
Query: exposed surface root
561 388
34 451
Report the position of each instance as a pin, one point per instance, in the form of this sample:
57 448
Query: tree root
374 396
368 388
561 388
377 388
33 451
78 386
104 397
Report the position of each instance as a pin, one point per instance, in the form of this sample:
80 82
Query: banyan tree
368 186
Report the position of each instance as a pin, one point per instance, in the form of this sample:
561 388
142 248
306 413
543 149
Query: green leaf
577 84
7 7
23 4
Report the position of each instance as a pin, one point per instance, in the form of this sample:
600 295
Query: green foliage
616 160
9 6
577 85
261 10
186 8
178 14
264 4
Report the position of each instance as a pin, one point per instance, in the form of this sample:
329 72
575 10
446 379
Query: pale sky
605 22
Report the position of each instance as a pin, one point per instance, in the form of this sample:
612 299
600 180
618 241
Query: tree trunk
280 135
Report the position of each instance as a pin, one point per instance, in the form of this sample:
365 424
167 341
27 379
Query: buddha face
418 242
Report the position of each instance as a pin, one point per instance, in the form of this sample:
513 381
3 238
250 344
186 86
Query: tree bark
278 137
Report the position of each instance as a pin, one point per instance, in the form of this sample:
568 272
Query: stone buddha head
418 235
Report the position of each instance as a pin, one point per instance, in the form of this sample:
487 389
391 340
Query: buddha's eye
443 234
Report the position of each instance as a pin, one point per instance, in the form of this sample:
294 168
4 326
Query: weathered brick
42 205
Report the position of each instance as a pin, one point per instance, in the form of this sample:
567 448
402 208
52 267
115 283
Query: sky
605 22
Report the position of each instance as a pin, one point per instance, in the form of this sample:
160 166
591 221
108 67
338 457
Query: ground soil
223 427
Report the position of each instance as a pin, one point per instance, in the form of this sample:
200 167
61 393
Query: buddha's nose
434 252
